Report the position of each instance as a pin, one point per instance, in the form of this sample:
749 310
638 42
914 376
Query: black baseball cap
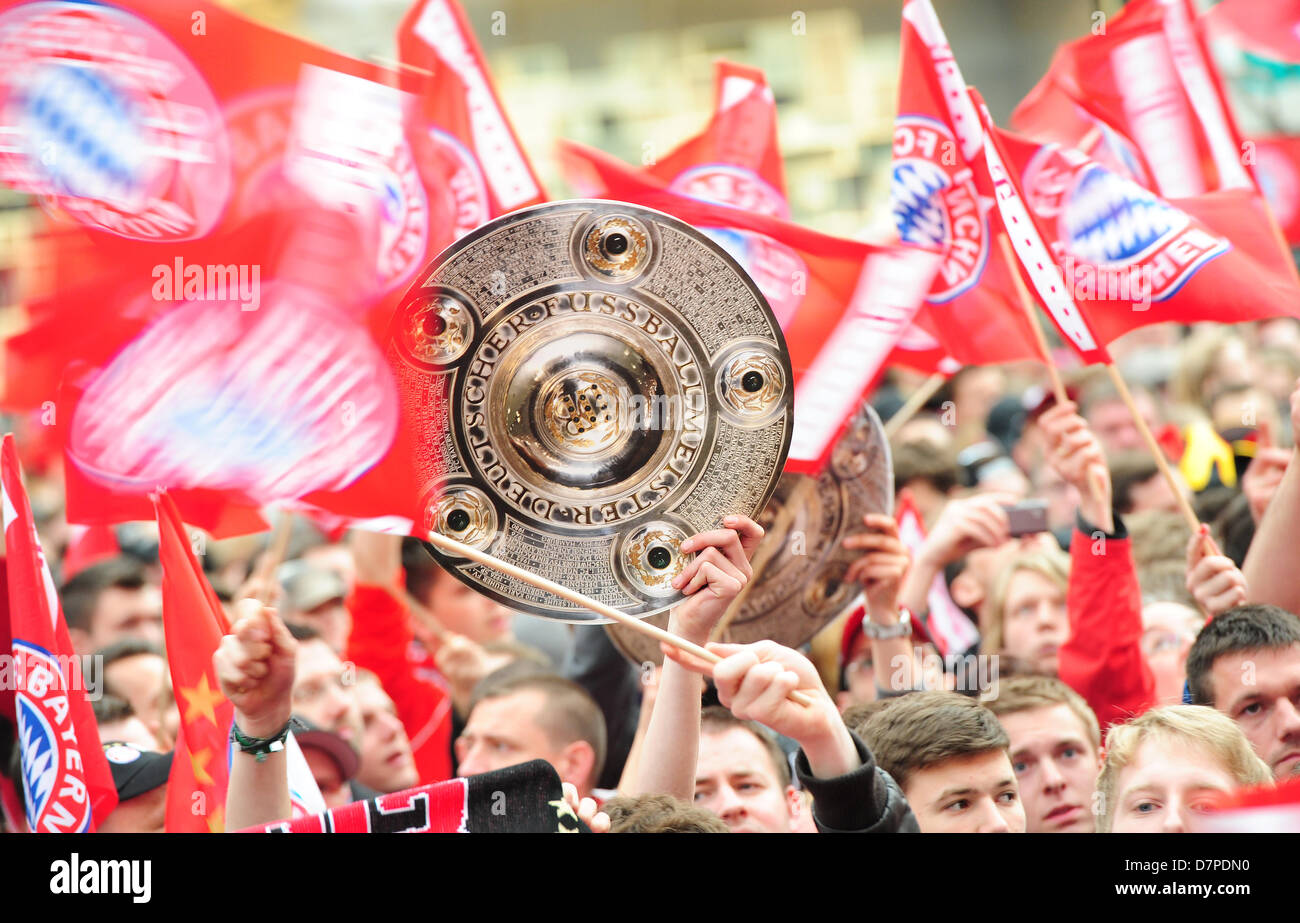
136 771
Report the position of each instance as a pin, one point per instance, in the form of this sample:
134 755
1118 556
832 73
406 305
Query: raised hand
882 568
1076 455
1213 580
716 575
755 682
963 526
255 668
463 663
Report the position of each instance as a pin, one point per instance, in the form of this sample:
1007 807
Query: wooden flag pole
1031 313
1058 386
1154 447
451 546
914 404
264 572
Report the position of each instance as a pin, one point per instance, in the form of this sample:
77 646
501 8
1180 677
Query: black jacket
866 800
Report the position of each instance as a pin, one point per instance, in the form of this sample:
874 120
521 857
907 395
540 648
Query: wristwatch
879 632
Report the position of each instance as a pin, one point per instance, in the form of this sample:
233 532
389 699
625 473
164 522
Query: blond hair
1211 730
1054 565
1023 693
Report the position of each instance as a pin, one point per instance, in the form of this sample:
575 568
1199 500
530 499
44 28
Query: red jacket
1102 659
382 642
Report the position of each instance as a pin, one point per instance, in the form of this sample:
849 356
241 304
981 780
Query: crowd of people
1129 671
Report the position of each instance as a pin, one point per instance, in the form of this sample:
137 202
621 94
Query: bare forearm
672 740
258 792
1271 564
895 666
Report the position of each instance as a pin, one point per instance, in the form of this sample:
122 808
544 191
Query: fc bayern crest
177 406
57 801
1116 225
728 184
935 204
110 122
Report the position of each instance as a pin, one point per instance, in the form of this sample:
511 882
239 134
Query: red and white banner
973 310
67 785
1122 257
1146 89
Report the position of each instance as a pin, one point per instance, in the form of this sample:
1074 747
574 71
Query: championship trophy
593 382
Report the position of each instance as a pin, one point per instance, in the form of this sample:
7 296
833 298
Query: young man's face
387 764
1260 690
467 612
1056 768
504 731
319 694
1034 621
967 794
120 613
735 779
140 680
1168 781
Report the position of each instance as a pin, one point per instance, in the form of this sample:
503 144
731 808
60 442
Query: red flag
193 624
1130 258
1277 164
736 160
469 148
1147 89
973 308
66 780
950 627
87 545
1259 809
287 192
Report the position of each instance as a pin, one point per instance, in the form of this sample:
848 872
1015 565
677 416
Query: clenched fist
255 667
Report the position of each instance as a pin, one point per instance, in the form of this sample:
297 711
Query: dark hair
110 708
717 720
128 647
1253 627
923 729
569 713
506 674
420 568
659 814
856 716
303 632
1236 529
1127 471
80 593
916 461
